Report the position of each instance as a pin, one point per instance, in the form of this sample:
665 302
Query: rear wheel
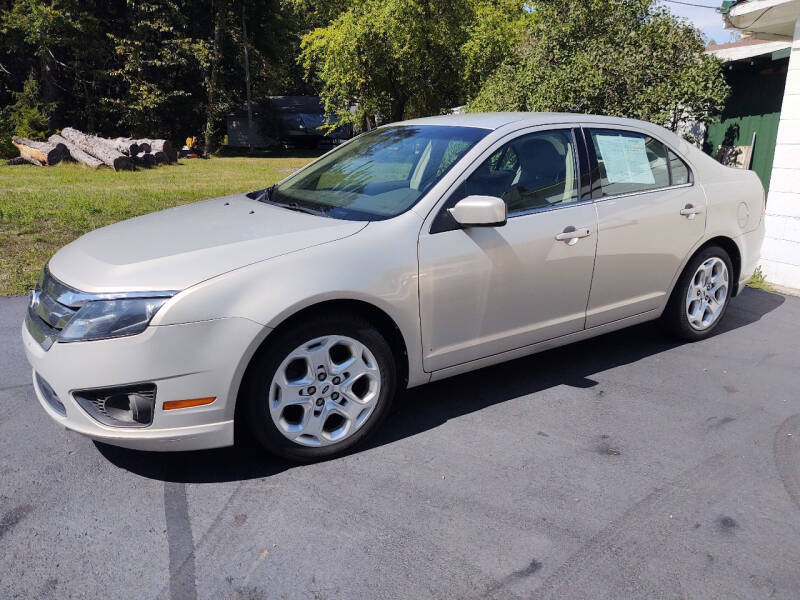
320 387
701 296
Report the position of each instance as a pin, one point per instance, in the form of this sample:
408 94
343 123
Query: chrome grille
52 306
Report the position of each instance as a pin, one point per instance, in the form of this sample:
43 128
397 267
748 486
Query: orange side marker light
173 404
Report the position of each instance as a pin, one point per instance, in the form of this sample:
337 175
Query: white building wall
780 255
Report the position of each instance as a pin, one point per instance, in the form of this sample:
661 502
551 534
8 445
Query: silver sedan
414 252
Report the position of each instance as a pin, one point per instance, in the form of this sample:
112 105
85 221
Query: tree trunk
144 146
399 109
46 73
159 146
45 152
24 160
145 159
211 109
76 153
127 146
99 148
247 82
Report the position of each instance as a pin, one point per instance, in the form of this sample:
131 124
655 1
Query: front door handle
571 234
690 211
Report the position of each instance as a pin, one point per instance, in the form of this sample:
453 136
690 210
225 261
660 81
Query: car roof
495 120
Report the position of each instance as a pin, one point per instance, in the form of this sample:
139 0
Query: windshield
379 174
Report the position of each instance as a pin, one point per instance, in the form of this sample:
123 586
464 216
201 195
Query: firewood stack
121 154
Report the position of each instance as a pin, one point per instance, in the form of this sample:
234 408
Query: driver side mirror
479 211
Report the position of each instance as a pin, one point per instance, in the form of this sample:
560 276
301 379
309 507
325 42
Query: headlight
102 319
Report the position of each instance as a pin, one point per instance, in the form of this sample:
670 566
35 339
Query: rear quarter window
680 171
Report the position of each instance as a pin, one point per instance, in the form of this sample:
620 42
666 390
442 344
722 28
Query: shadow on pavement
426 407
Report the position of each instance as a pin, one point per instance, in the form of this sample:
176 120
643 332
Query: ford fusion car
414 252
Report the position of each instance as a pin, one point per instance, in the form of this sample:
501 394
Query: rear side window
678 168
629 161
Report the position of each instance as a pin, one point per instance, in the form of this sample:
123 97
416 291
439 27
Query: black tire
255 387
674 320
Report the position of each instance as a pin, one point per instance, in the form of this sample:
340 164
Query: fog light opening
118 407
123 406
129 408
141 408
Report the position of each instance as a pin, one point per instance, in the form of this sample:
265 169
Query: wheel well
732 249
377 317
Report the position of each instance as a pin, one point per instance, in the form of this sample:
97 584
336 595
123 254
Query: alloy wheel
707 293
324 390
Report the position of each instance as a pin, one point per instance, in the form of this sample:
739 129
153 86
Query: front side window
538 170
379 174
629 161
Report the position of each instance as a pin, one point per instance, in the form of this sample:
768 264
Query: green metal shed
754 107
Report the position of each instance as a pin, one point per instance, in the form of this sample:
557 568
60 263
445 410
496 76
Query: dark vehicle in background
288 121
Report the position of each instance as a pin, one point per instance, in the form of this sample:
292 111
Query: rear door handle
690 211
571 234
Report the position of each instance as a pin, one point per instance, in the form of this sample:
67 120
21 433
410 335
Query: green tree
159 73
214 93
318 13
497 29
27 117
152 67
46 28
393 58
627 58
274 28
64 43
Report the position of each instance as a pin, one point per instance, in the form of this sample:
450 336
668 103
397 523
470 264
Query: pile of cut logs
121 154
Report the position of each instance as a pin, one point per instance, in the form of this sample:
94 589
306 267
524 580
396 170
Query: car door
650 215
487 290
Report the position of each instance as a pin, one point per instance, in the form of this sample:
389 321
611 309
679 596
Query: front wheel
701 295
320 387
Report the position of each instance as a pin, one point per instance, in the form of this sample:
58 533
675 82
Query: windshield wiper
299 208
266 196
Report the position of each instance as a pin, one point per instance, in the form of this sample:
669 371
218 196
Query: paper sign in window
624 158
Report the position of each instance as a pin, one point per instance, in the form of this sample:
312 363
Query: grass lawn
41 209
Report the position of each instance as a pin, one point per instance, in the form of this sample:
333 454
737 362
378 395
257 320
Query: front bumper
192 360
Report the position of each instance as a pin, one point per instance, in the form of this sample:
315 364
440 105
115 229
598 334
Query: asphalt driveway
626 466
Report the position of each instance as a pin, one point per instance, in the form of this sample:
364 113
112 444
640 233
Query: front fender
378 266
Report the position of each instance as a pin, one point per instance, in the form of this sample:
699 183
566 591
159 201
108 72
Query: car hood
179 247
